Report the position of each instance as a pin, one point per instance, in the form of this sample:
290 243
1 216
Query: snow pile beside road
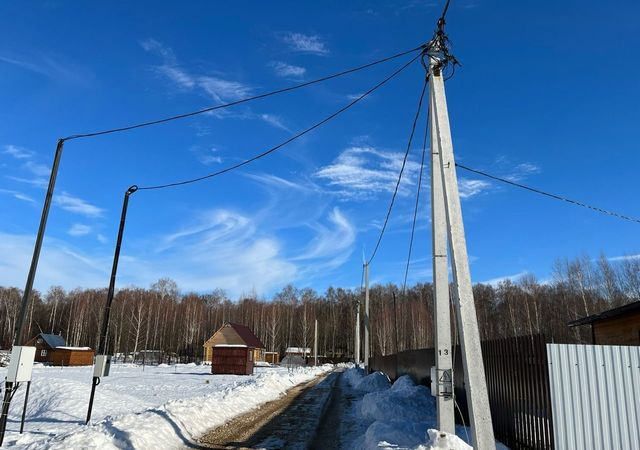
400 417
155 407
374 382
404 402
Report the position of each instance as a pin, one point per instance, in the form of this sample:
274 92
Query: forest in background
160 318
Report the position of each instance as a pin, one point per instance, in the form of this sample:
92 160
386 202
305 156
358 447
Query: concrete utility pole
315 344
476 386
441 303
366 318
357 336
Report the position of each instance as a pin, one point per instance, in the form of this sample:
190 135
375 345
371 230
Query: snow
73 348
4 358
231 345
402 416
139 407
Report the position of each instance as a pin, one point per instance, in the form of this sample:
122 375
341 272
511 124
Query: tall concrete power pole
443 376
475 381
366 318
357 336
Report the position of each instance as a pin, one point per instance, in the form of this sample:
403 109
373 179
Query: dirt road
276 424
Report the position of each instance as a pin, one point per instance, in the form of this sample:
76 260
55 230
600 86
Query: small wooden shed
233 349
617 326
52 349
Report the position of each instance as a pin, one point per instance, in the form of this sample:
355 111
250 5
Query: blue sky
548 94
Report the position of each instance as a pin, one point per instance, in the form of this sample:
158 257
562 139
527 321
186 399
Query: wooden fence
517 383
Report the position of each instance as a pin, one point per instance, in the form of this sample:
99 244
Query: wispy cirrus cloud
306 43
49 66
77 205
470 188
496 281
17 195
214 86
274 121
17 152
285 70
333 242
79 229
363 172
624 258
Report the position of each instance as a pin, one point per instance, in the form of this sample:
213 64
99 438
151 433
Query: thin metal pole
6 401
24 408
366 318
102 347
26 296
477 396
441 302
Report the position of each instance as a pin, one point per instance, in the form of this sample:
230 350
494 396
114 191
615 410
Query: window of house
43 353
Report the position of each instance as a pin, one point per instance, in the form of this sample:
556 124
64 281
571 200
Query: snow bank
404 402
158 407
439 440
374 382
401 417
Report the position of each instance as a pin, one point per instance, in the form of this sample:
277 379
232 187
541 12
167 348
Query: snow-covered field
398 416
158 407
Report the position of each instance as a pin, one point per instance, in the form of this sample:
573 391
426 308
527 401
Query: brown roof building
233 349
617 326
52 349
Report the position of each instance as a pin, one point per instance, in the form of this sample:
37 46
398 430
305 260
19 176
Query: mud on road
272 425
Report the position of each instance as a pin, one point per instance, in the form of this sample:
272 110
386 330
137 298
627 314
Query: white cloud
101 238
496 281
223 90
624 258
362 172
285 70
218 88
17 152
274 121
60 264
76 205
208 156
333 244
306 43
177 75
17 195
39 170
469 188
78 229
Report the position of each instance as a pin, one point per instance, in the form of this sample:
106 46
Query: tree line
163 320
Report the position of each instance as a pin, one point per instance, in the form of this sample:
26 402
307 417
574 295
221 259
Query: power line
404 162
415 210
287 141
548 194
244 100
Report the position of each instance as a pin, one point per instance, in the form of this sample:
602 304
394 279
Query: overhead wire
404 163
548 194
244 100
415 210
287 141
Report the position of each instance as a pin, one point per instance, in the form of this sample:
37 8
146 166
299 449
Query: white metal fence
595 394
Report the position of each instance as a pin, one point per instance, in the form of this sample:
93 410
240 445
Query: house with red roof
233 349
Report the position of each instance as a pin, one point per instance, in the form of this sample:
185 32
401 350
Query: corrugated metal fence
518 387
517 382
595 393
